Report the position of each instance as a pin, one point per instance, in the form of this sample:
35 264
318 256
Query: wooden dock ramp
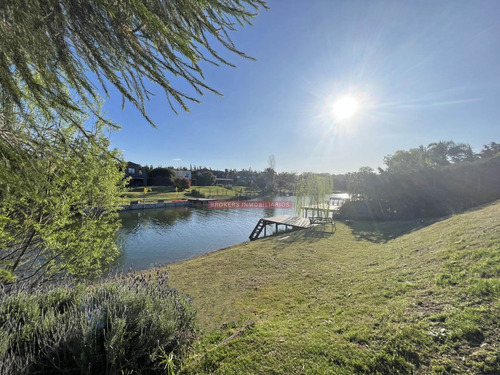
293 222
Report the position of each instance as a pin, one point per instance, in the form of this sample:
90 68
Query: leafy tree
286 181
205 178
245 177
313 190
181 183
459 152
361 183
489 150
426 192
439 152
436 154
161 176
267 179
406 161
58 196
59 184
49 46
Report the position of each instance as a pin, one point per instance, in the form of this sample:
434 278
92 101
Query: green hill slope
395 297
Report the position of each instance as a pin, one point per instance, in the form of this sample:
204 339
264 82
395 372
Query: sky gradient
422 71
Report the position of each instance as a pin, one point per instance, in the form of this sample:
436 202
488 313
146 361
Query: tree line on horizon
362 184
431 181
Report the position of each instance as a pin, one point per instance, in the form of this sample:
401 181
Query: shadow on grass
384 231
313 233
304 235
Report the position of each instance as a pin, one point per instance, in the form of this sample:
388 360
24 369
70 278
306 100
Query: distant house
183 174
224 181
137 174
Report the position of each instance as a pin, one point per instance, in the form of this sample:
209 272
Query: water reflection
166 235
157 220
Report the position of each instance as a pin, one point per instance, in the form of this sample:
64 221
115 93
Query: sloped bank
377 297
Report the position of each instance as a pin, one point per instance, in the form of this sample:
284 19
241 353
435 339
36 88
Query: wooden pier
326 210
288 221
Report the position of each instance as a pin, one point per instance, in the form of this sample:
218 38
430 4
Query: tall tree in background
361 183
459 152
439 152
205 178
161 176
407 161
436 154
489 150
48 47
267 179
286 181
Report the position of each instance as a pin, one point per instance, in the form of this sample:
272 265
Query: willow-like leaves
48 47
58 196
313 191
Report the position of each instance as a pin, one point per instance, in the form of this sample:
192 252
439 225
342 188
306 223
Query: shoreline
159 204
190 202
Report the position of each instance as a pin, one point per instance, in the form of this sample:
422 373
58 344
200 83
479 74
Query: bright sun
345 107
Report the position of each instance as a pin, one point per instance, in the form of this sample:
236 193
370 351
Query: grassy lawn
394 297
168 193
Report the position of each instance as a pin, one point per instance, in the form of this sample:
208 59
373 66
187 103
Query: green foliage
181 183
197 194
434 155
427 192
123 43
360 184
267 181
406 161
205 178
466 325
313 190
161 176
58 196
490 150
128 324
286 181
168 193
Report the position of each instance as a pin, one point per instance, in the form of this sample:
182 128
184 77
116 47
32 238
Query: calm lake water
167 235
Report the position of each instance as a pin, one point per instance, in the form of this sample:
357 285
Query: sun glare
345 107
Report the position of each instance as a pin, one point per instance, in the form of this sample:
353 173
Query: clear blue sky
422 71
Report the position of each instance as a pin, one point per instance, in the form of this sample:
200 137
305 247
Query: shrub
197 194
182 183
128 324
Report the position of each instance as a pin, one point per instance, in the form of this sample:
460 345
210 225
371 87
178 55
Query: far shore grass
376 297
168 193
